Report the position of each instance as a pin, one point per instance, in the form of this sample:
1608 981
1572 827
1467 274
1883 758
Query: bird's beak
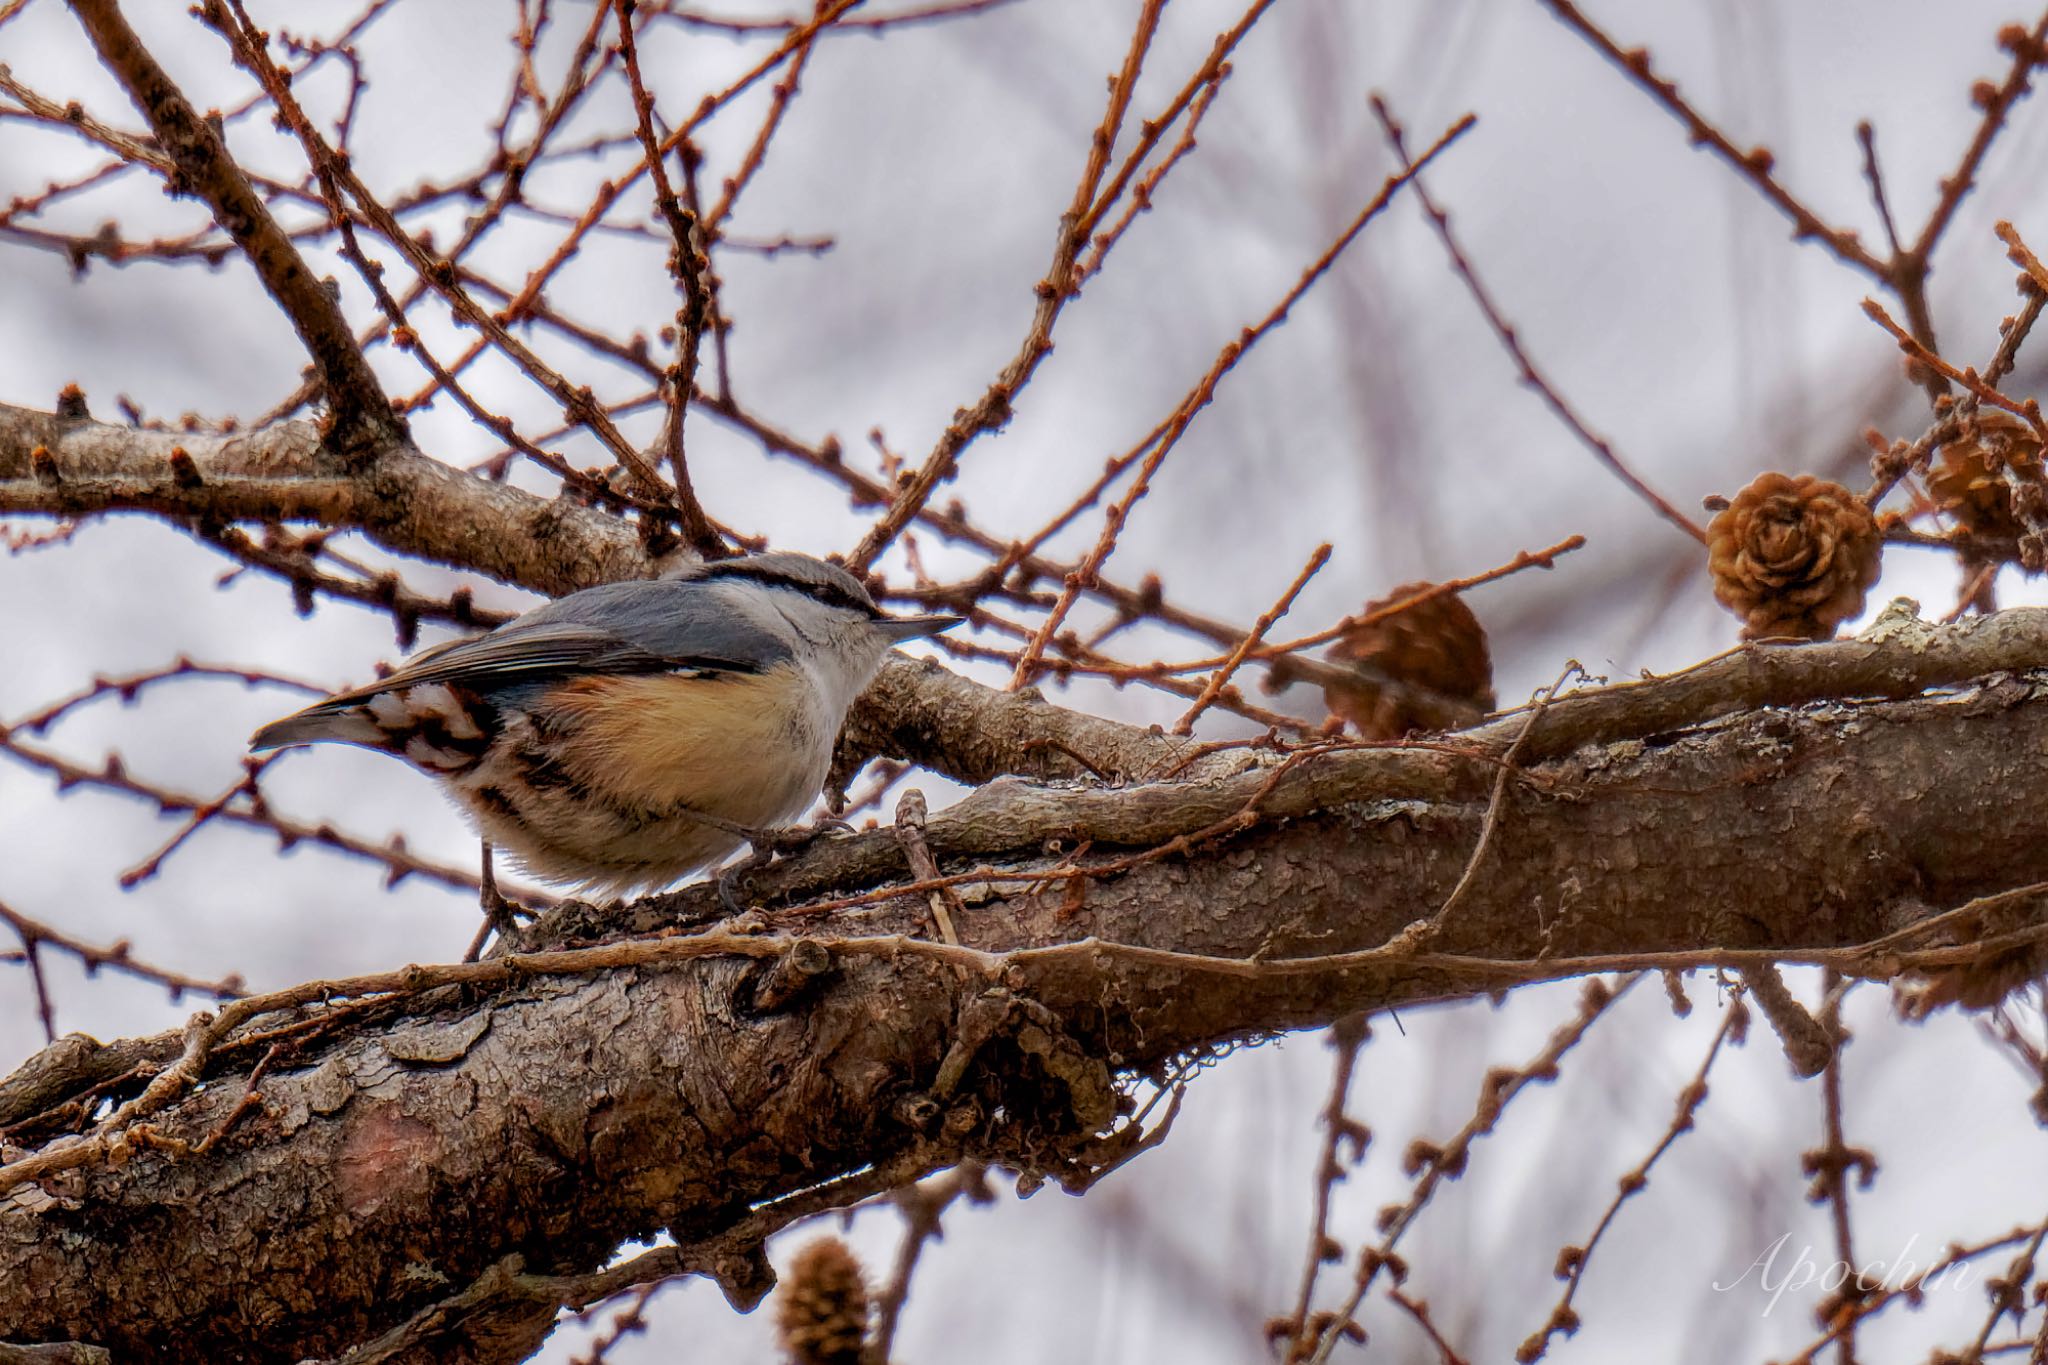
897 629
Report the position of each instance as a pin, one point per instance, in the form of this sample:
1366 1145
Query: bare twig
1086 575
363 419
690 268
1340 1131
1573 1260
1511 341
1217 680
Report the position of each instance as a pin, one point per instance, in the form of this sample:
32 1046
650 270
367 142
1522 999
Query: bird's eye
830 596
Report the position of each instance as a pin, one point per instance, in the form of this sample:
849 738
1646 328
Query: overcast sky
1659 292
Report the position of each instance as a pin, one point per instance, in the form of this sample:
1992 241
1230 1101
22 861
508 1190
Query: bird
620 738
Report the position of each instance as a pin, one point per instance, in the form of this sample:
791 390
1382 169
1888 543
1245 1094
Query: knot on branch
1057 1098
792 977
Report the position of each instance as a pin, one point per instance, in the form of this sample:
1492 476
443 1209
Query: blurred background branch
506 306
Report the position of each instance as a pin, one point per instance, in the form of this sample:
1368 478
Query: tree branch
552 1104
362 415
407 502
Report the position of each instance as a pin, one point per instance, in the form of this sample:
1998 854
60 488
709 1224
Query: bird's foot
787 839
500 914
766 845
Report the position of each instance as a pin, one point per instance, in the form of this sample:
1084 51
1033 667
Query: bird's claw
766 846
770 843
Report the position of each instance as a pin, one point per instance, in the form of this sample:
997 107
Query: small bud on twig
184 471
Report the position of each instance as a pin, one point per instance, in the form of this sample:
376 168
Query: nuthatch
627 735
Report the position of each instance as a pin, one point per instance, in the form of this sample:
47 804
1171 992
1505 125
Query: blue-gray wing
664 623
640 627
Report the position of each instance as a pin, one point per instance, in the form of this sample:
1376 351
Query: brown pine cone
1966 479
1986 980
1437 644
822 1307
1793 556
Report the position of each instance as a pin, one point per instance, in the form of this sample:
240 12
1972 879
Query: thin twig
1573 1260
688 265
1347 1037
1086 575
1217 680
1433 1164
1511 341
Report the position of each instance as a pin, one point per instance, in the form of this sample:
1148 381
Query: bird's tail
430 726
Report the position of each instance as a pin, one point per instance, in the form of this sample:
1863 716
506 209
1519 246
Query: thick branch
556 1103
418 506
973 733
363 419
404 501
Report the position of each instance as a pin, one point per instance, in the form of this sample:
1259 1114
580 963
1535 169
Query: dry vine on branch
518 331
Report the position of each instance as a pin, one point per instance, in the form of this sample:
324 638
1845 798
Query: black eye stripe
831 595
791 573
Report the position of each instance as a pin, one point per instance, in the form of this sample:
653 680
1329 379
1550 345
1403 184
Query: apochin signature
1801 1270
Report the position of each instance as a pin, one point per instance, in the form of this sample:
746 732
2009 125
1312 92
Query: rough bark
550 1106
484 1146
436 1159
